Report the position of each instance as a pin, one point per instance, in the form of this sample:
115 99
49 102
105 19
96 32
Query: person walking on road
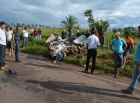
3 65
136 71
92 44
118 50
16 41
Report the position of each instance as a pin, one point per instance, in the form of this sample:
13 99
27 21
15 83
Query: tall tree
91 21
18 24
70 23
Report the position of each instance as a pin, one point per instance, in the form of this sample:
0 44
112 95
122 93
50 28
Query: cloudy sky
119 13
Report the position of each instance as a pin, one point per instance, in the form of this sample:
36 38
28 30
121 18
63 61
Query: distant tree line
29 25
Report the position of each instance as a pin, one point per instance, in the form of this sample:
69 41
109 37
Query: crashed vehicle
59 48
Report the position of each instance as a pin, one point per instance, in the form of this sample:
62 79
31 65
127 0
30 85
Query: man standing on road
130 45
136 71
3 65
118 50
92 44
16 41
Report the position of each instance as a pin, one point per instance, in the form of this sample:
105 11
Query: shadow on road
70 87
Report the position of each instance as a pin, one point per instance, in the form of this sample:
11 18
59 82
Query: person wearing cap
130 46
136 72
78 33
118 44
3 65
92 44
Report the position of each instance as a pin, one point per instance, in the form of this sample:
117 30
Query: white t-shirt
31 31
25 33
92 42
9 35
2 37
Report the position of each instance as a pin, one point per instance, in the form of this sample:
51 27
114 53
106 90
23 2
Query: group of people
70 35
9 38
78 34
121 48
36 33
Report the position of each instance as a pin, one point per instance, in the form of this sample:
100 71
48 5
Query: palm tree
18 24
12 24
70 23
36 25
101 26
23 24
28 25
32 25
40 26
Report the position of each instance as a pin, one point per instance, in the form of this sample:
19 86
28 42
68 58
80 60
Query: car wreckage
59 48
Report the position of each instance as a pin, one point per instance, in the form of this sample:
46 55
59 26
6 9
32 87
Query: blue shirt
17 36
39 32
137 53
118 45
63 35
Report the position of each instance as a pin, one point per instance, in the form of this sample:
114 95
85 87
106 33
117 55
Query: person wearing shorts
130 45
9 40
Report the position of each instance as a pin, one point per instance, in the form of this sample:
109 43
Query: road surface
38 80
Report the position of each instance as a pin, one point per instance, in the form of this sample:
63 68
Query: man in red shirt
35 32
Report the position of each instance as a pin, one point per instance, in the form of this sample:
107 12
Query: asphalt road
38 80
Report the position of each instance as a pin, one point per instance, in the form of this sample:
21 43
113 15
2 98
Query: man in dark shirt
78 33
87 34
16 41
39 33
63 34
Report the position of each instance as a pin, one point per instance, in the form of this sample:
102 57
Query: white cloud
50 12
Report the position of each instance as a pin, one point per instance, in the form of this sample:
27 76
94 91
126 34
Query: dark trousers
91 53
118 61
17 50
2 55
25 41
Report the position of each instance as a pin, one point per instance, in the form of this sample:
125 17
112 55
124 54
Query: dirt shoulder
38 80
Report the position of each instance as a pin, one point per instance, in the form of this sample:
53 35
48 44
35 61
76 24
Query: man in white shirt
25 37
92 44
3 65
31 31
